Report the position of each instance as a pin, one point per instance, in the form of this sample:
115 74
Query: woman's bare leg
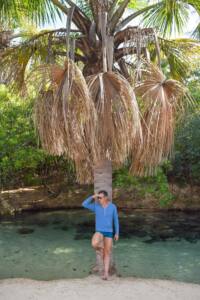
108 242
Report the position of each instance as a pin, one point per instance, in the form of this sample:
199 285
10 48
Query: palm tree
87 75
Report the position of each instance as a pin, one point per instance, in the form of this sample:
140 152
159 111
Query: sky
193 22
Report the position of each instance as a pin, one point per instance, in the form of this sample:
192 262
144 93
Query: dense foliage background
185 164
22 161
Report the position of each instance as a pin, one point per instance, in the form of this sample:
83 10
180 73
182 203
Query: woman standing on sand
105 214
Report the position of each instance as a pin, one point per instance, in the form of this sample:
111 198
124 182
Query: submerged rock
55 222
65 228
42 223
25 230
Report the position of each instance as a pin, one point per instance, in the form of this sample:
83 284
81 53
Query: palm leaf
161 100
118 116
181 54
33 49
196 33
14 62
195 4
117 15
65 118
39 11
85 7
134 15
167 16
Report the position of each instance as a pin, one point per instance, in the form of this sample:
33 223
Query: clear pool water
53 245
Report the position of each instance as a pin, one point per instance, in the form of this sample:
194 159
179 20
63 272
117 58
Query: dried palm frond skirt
118 123
161 99
66 118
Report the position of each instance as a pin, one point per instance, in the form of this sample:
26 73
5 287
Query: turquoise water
53 245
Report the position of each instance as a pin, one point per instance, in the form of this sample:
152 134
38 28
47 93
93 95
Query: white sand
94 288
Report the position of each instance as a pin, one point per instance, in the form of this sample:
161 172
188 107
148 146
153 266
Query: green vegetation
186 161
156 186
185 164
22 162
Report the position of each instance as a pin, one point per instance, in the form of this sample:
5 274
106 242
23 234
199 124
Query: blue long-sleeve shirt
104 216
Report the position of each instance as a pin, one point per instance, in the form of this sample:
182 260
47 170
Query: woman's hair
103 192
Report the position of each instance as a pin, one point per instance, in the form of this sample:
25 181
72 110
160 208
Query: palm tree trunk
103 181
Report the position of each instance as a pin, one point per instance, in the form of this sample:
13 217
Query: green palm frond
13 66
85 7
168 16
38 11
195 4
138 4
9 14
43 11
135 4
181 54
32 50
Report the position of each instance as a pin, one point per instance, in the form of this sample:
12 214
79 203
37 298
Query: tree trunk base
98 268
103 181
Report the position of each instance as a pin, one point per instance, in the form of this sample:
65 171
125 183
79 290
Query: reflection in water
52 245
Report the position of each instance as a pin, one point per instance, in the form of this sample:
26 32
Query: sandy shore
94 288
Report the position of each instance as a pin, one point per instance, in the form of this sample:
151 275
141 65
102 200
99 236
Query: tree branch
79 18
61 6
117 15
71 3
93 5
112 9
81 43
78 57
133 16
123 68
121 52
128 32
